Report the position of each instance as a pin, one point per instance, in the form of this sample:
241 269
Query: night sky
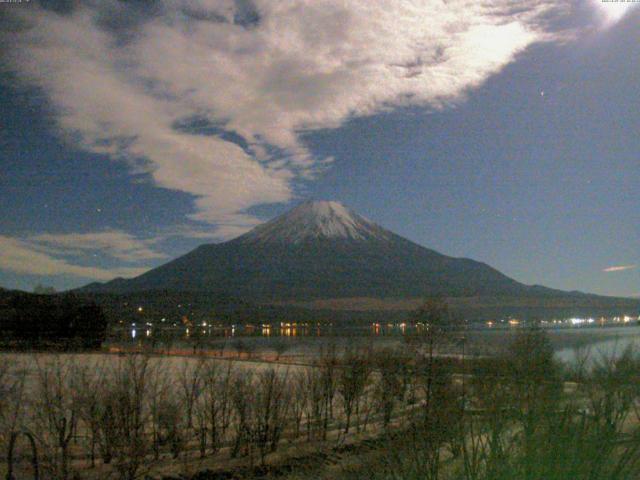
131 132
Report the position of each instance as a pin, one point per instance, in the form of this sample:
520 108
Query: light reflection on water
265 330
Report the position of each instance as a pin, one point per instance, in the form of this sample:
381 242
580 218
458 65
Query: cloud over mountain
23 257
209 96
113 243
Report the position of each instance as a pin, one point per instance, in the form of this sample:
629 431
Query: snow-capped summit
315 220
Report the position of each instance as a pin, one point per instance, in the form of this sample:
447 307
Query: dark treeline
220 308
38 321
226 309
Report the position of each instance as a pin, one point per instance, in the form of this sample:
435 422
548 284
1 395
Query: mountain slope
322 250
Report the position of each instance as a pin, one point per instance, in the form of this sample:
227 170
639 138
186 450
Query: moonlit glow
619 268
613 11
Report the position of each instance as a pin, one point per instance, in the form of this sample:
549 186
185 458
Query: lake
605 342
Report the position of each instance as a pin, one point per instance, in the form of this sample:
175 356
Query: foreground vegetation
518 415
522 416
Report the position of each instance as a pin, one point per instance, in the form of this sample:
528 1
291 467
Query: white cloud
114 243
221 232
612 11
23 257
619 268
305 64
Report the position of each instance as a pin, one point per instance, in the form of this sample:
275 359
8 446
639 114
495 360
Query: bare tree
484 438
352 380
127 414
270 411
300 399
160 385
89 382
171 425
314 407
391 386
12 386
327 367
219 380
201 421
433 322
191 386
613 388
242 400
56 412
534 383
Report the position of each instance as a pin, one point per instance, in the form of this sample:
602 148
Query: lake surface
568 343
598 343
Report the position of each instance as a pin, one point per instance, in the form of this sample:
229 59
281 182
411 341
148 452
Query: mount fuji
324 252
